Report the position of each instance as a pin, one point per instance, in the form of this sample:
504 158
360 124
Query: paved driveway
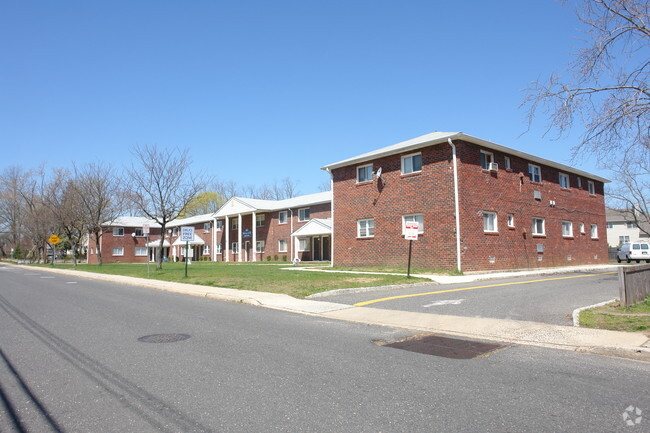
546 299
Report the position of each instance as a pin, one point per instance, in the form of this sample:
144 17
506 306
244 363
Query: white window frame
235 248
219 248
259 246
413 217
283 214
591 187
303 214
365 227
623 240
138 232
206 227
407 163
141 254
282 245
304 244
486 159
594 231
118 251
535 173
507 163
579 182
259 220
367 174
582 228
563 180
511 220
534 228
490 217
206 250
567 229
219 225
630 225
234 224
118 231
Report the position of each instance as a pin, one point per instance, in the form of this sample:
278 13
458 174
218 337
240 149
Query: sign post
54 239
145 231
411 229
187 236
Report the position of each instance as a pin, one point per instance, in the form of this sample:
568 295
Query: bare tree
607 88
39 223
97 190
631 193
286 188
12 207
162 185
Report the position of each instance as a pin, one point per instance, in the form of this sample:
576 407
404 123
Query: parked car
634 251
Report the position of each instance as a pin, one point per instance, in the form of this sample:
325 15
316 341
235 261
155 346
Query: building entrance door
247 251
316 249
326 248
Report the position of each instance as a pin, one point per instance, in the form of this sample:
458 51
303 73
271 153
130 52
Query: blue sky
261 90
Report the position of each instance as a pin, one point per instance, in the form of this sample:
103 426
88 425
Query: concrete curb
577 311
627 345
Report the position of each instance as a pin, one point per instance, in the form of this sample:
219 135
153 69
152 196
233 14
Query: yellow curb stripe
374 301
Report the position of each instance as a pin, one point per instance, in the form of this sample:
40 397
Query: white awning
156 243
315 227
197 241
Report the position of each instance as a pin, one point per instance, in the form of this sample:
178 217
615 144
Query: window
564 181
220 225
582 228
259 246
412 163
235 248
591 187
419 218
206 250
486 159
303 244
366 228
175 231
610 225
511 220
138 232
219 248
282 246
282 217
364 173
234 223
140 251
303 214
594 231
490 222
535 173
538 226
623 240
630 225
259 220
118 251
118 231
206 227
579 180
567 229
506 163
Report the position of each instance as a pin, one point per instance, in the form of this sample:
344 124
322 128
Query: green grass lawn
613 316
259 276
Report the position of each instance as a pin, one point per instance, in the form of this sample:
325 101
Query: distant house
480 206
621 228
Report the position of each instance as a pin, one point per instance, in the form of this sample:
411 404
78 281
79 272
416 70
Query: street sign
247 233
54 239
145 229
411 229
187 234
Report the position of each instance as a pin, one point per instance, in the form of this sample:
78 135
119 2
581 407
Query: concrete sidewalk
631 345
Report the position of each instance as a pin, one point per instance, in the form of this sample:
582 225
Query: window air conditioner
493 166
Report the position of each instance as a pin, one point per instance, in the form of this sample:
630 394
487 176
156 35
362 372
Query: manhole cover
445 346
163 338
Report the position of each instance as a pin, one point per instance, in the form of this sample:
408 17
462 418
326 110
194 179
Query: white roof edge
272 205
442 137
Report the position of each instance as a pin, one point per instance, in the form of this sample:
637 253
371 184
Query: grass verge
260 277
617 318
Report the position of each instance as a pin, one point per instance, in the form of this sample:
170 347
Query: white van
634 251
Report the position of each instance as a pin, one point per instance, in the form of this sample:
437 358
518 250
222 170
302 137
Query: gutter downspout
453 147
332 217
291 237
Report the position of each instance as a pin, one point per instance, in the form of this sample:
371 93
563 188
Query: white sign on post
145 229
411 229
187 234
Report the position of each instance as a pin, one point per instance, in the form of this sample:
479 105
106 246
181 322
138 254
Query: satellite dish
379 172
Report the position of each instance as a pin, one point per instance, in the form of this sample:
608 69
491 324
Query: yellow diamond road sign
54 239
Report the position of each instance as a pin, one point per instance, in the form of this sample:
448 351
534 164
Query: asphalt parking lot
545 299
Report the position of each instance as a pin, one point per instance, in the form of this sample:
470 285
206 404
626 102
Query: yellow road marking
374 301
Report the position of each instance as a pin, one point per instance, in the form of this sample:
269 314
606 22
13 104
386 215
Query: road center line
413 295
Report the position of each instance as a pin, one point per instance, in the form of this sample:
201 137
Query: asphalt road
71 361
547 299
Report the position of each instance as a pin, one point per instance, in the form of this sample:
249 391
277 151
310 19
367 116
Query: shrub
284 257
275 257
268 258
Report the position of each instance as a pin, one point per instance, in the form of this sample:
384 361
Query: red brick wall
128 242
431 193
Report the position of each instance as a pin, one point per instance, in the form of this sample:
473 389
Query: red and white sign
411 229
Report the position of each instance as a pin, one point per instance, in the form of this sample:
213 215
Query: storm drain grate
163 338
445 346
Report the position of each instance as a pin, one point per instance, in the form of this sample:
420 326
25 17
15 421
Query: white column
239 237
296 246
214 240
226 250
254 237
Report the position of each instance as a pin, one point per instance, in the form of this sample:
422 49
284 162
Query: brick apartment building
515 210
